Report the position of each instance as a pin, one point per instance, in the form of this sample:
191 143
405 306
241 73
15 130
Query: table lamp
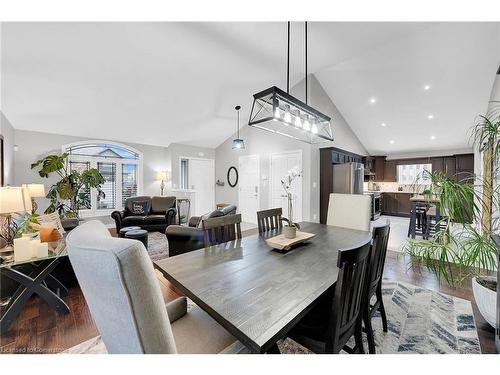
162 176
12 200
35 191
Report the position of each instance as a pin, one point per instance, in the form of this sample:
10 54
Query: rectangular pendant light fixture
278 112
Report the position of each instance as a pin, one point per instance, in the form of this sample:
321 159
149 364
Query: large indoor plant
72 192
462 248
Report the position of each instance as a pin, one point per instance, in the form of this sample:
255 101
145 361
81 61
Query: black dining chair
338 314
374 283
270 219
221 229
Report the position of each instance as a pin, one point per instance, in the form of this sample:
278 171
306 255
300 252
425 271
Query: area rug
157 246
419 321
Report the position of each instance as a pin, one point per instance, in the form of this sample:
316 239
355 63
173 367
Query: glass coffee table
34 277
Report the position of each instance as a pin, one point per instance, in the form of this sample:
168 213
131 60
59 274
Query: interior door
248 188
201 179
281 163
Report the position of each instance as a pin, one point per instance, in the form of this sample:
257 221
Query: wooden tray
282 243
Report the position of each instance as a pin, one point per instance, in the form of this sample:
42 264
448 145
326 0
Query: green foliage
72 191
460 249
23 223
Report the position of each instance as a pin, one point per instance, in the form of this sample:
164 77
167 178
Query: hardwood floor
40 329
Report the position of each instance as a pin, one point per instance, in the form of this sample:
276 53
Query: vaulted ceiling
157 83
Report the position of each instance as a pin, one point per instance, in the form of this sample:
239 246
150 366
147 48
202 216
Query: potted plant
72 191
461 247
290 228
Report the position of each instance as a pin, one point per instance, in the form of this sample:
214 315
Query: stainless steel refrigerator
348 178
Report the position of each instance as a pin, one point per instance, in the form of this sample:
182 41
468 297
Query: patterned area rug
157 246
419 321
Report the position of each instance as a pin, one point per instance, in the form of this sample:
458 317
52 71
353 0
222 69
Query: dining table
255 292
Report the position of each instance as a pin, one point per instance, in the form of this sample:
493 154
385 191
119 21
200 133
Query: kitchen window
414 174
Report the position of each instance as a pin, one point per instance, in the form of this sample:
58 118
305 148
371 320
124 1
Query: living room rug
157 246
419 321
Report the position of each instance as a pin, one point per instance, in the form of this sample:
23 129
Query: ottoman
138 234
125 230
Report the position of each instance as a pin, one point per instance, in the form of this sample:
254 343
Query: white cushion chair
121 288
349 211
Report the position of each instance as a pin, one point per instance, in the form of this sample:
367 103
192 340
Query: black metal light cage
276 111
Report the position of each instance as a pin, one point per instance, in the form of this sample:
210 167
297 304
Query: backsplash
391 186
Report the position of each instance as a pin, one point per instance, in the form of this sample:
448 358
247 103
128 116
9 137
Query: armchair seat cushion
133 221
154 219
197 333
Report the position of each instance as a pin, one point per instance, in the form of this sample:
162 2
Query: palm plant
462 246
72 191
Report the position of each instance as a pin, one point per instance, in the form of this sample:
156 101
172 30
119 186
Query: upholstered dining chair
337 316
374 283
270 219
349 211
120 286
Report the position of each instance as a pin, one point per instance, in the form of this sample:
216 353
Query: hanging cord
288 59
238 124
306 56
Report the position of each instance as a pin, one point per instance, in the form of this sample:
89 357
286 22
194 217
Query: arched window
121 167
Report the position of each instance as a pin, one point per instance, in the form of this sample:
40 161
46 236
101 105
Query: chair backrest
348 296
160 204
119 284
221 229
269 219
349 211
377 256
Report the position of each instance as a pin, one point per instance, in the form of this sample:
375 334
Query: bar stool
433 220
418 220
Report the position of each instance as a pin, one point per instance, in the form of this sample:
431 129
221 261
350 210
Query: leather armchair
160 213
182 239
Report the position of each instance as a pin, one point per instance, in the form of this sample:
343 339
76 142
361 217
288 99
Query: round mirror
232 176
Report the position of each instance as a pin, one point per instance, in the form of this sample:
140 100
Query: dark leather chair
182 239
159 213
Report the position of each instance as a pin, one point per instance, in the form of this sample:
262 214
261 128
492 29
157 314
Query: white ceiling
157 83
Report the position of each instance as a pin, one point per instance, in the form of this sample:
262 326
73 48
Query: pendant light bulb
298 123
314 129
277 113
287 117
306 125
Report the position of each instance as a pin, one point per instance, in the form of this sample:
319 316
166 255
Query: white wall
7 131
264 144
34 145
177 151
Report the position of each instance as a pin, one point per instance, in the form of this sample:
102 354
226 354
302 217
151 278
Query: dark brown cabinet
390 173
396 204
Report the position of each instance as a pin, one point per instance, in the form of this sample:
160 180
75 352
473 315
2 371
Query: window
409 174
184 174
119 165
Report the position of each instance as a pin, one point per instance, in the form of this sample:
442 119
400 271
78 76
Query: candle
42 250
34 247
22 249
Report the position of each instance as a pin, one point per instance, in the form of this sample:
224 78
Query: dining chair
418 220
338 314
270 219
374 283
122 291
349 211
222 229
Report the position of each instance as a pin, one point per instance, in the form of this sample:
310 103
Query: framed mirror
232 176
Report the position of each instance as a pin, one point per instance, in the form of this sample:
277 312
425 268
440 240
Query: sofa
153 214
183 239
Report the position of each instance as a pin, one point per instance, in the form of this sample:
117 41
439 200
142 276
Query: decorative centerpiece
290 229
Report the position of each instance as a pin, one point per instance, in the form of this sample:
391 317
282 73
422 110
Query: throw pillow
140 207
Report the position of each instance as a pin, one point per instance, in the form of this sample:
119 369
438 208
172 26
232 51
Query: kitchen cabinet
450 166
396 204
464 167
390 171
437 164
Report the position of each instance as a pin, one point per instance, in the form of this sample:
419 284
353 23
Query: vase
486 300
289 232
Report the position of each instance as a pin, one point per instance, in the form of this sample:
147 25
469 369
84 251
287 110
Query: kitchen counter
391 192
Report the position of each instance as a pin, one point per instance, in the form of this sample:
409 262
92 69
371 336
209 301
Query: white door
248 188
201 177
281 163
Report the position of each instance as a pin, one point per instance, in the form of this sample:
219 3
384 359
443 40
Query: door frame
196 158
299 151
258 182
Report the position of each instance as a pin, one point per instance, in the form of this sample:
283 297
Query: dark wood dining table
255 292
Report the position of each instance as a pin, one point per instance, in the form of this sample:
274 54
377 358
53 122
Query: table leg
413 219
29 286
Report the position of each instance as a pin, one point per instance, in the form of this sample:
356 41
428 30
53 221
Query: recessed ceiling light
427 87
430 117
383 124
433 137
391 142
373 100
